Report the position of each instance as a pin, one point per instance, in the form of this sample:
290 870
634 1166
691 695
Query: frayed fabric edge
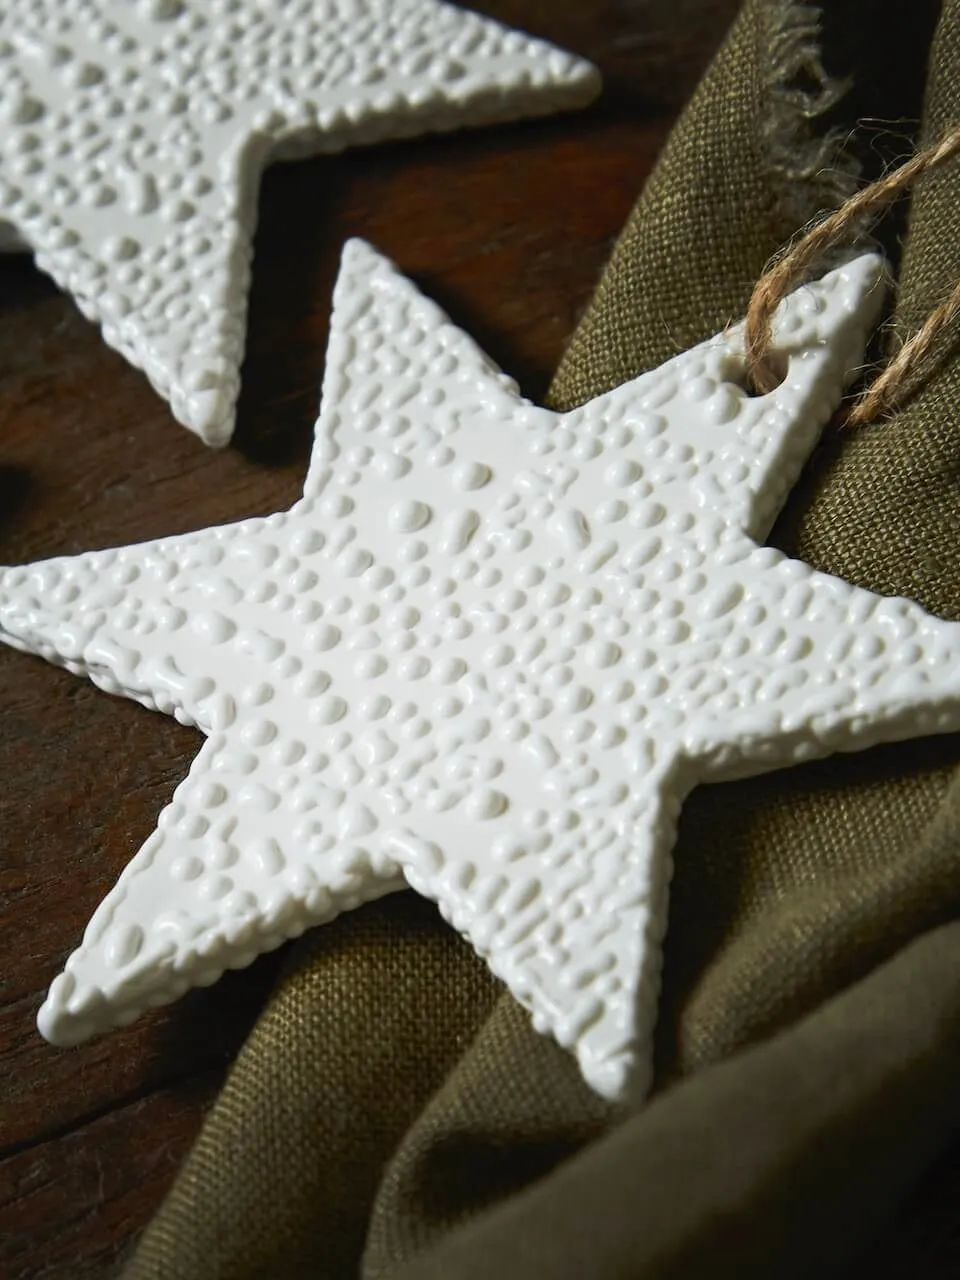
816 170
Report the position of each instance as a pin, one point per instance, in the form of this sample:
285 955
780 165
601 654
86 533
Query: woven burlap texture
391 1093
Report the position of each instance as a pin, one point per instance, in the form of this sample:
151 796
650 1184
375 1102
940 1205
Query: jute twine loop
843 225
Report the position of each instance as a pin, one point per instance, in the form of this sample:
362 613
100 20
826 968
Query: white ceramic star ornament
133 135
486 655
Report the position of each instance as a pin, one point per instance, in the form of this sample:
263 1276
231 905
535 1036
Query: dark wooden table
508 229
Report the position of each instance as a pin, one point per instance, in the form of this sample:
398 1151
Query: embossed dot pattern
133 132
487 655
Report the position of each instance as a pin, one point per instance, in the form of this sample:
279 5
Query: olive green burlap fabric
394 1115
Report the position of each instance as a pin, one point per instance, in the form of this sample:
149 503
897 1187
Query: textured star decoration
133 134
487 655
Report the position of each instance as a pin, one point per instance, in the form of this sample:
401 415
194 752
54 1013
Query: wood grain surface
508 229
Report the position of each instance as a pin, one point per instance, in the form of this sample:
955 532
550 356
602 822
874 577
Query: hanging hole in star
734 370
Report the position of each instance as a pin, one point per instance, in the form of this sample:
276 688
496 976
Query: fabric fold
727 1173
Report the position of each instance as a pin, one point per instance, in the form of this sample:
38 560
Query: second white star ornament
486 655
133 134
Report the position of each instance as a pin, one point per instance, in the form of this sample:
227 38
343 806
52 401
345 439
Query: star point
133 138
487 655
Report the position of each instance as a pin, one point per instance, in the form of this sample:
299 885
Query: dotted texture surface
133 134
487 655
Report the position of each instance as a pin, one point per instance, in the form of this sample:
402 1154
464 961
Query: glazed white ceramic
487 655
133 134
